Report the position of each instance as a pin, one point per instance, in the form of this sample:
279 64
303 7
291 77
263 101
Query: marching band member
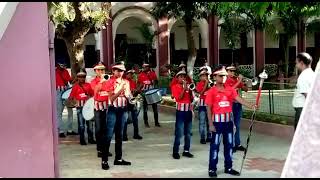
100 108
146 81
219 110
183 123
182 67
62 82
118 90
132 108
238 85
202 87
81 92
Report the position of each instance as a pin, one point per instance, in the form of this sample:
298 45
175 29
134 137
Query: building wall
26 111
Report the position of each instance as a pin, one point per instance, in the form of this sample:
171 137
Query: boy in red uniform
62 83
238 85
132 108
182 67
202 87
219 107
146 81
118 90
183 124
81 92
100 108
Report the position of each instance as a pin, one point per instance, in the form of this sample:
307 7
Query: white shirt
304 83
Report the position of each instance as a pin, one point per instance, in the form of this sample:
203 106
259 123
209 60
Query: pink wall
27 100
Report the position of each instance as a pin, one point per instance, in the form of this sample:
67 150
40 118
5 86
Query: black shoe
83 143
125 138
234 150
208 140
157 124
62 135
122 162
187 154
99 154
137 137
109 154
240 148
91 141
71 133
202 141
212 173
232 172
105 165
176 156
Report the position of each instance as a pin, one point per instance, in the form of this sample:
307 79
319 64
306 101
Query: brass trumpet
191 86
253 81
106 76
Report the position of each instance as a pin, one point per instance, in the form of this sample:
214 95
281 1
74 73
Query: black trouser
134 117
297 116
81 126
101 131
145 112
116 118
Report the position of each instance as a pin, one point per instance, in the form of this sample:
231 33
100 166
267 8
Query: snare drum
153 96
88 110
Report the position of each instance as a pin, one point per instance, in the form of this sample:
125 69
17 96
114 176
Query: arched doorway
131 44
178 47
126 23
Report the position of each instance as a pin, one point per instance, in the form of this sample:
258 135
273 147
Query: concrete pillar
107 45
163 41
213 48
301 37
259 51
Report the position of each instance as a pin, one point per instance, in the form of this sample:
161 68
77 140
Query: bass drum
153 96
88 110
65 95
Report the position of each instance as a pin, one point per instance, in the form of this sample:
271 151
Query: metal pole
269 101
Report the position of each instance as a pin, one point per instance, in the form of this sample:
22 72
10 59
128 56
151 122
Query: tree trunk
285 48
192 52
76 54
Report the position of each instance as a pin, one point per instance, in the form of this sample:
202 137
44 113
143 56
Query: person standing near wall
62 82
304 82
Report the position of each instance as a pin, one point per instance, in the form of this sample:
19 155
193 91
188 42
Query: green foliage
266 117
183 9
70 18
147 34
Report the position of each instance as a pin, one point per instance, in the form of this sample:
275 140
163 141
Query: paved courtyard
151 157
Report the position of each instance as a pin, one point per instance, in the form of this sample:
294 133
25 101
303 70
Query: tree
73 21
188 11
293 17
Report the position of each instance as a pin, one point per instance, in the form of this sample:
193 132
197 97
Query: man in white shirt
304 82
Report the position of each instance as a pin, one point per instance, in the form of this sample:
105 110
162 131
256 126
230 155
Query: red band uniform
81 92
183 125
146 79
222 117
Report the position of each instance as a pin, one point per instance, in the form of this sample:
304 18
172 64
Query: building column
301 37
163 41
213 55
107 44
259 51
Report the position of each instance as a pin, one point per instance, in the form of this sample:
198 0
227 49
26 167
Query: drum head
88 109
151 91
66 93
